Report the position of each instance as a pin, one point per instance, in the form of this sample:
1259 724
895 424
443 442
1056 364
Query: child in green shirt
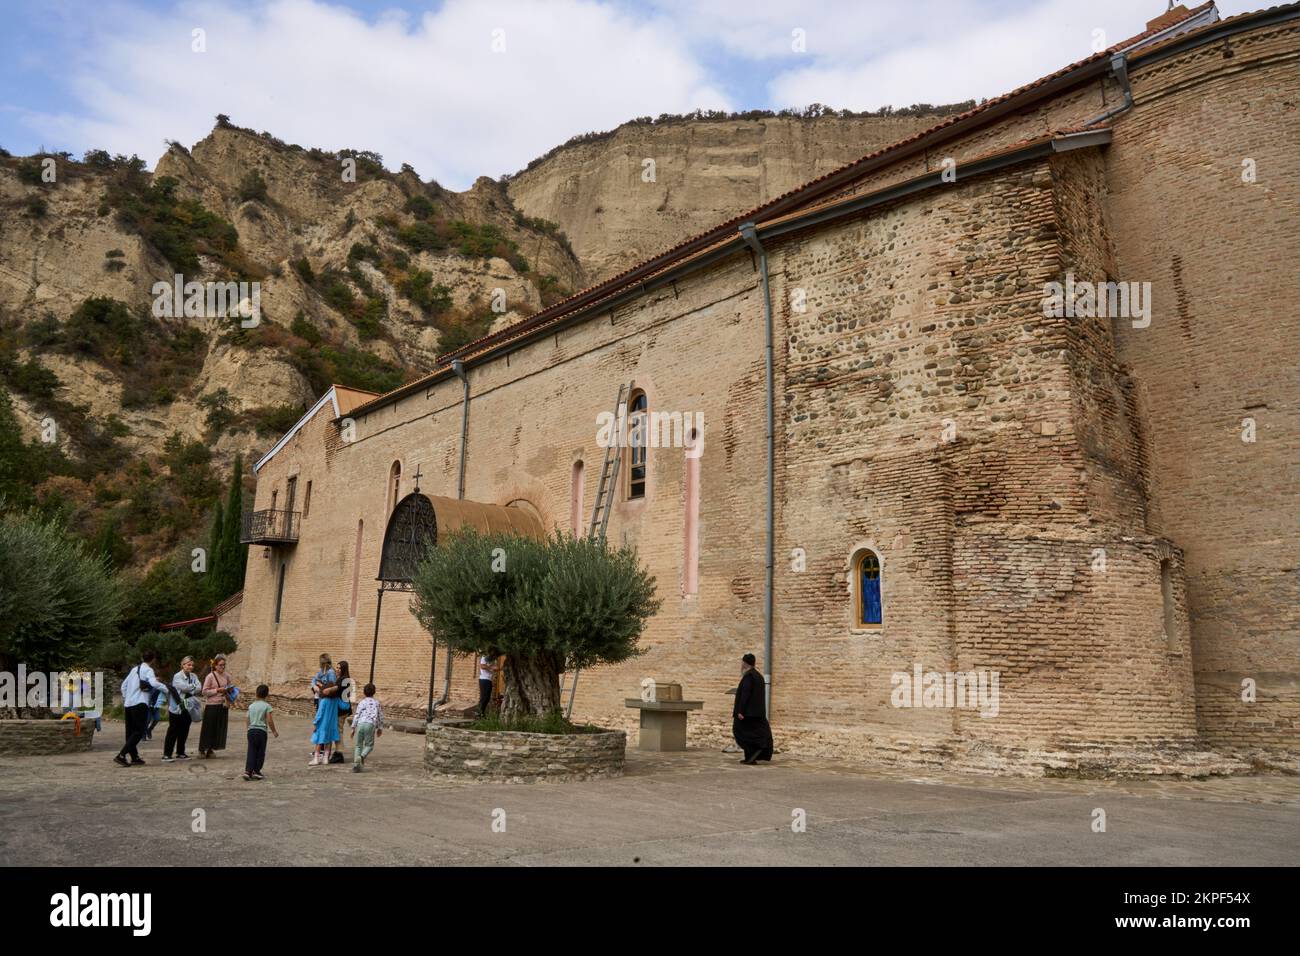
259 721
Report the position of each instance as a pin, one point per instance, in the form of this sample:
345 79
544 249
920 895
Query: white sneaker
315 759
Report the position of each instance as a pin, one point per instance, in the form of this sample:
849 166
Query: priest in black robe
749 715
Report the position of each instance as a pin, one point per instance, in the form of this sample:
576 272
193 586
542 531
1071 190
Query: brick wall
1222 256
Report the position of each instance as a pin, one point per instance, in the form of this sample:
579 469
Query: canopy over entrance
419 519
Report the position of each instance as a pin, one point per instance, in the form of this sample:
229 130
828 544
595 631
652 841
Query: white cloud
429 91
949 52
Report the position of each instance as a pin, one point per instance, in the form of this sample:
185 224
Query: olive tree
56 599
548 604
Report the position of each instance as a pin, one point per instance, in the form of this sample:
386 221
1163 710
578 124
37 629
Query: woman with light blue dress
326 723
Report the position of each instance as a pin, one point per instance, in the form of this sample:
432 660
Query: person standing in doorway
749 714
487 667
137 690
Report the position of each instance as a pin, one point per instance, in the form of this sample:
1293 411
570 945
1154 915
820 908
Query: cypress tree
234 556
216 541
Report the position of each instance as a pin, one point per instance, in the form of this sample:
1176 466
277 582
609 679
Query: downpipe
749 234
458 369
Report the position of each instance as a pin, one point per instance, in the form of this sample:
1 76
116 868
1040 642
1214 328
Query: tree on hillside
549 605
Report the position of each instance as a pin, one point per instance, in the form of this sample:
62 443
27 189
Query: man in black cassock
749 715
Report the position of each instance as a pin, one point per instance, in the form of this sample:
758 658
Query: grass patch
552 723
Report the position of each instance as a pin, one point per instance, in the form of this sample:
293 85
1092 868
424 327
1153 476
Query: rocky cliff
625 195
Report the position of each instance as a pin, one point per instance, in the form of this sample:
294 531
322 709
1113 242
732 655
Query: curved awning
419 519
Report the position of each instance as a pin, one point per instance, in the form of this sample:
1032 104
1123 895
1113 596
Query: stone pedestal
663 722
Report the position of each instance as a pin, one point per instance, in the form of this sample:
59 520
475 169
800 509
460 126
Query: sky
464 88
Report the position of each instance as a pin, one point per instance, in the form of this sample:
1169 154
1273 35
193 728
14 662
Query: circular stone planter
25 738
506 756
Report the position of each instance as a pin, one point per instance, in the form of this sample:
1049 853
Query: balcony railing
270 527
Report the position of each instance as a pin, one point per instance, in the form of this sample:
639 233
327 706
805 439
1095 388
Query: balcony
270 527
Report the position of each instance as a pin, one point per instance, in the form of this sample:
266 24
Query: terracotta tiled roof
798 198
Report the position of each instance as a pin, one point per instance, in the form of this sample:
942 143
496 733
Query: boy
367 724
259 721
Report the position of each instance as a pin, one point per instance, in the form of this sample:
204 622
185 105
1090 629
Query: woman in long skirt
216 709
326 723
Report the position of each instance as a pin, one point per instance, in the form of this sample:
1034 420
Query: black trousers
484 696
256 750
137 718
178 731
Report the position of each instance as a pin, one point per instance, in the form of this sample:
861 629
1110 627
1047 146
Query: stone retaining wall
513 757
22 738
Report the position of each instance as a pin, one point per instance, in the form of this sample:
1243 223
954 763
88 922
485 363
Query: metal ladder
606 489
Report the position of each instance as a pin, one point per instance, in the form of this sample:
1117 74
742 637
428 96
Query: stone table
663 722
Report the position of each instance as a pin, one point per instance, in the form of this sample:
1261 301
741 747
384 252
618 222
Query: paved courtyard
701 807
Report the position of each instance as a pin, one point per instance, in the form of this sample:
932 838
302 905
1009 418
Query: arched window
638 439
394 485
576 498
867 580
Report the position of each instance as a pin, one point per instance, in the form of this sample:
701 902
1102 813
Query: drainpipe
750 235
458 369
1119 70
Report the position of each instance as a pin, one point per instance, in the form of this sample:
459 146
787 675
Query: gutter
1119 70
749 234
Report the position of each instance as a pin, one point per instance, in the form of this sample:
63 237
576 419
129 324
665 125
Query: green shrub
304 329
418 286
304 270
252 187
180 229
419 207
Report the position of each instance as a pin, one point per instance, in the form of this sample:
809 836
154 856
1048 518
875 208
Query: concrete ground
701 807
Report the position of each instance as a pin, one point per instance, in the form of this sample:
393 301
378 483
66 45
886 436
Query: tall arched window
638 439
867 581
576 501
394 485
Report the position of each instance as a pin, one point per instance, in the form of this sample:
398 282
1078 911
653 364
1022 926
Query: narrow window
867 601
1167 594
306 500
279 593
394 485
274 495
638 426
691 546
576 498
356 568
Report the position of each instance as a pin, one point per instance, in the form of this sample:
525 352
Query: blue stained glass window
869 584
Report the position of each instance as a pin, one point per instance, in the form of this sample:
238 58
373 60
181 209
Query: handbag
194 707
